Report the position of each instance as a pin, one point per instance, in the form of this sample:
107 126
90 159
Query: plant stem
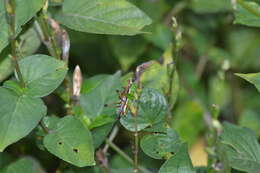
10 16
175 54
125 156
136 149
111 137
174 11
47 36
201 66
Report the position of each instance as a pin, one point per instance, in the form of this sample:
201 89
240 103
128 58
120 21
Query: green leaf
42 74
253 78
19 114
179 163
71 141
29 42
100 133
212 6
152 110
101 120
250 119
102 91
103 17
50 121
23 14
26 164
248 13
161 145
242 148
14 86
6 68
161 37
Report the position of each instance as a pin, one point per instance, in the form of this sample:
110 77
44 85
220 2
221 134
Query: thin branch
136 146
174 11
45 129
102 161
47 36
175 56
137 79
125 156
201 66
10 17
111 137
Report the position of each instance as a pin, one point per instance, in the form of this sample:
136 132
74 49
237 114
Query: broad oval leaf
6 68
241 147
19 114
23 14
42 74
253 78
180 162
152 110
248 13
26 164
103 16
100 133
71 141
97 92
161 145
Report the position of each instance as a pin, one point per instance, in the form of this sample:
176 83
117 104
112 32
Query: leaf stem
111 137
136 149
10 16
175 10
125 156
45 129
175 46
47 35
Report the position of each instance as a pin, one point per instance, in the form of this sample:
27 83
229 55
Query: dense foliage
117 86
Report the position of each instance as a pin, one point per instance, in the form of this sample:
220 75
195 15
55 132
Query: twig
10 17
111 137
47 35
136 148
45 129
137 79
125 156
201 66
176 50
174 11
102 161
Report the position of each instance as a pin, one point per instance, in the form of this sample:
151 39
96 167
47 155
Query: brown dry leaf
198 153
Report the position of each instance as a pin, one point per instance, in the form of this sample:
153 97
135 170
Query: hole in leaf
157 152
75 150
172 152
105 105
60 143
